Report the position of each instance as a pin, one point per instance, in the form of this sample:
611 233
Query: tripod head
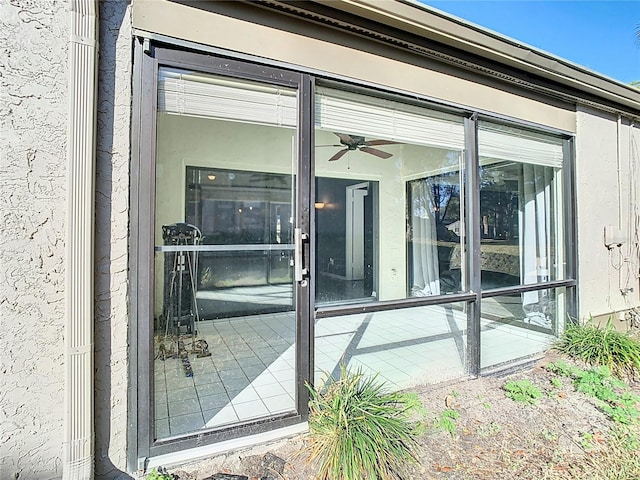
181 234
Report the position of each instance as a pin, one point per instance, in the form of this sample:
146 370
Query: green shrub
615 397
158 474
447 421
358 429
522 391
602 346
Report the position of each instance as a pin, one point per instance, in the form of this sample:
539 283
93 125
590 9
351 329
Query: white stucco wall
111 239
33 124
605 176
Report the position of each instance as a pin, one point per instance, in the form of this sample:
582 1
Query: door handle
300 271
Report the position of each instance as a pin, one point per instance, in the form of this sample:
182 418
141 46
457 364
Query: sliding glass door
224 305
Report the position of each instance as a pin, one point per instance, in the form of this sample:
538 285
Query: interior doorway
346 239
355 230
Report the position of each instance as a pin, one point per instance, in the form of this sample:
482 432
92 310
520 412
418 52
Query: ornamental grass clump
602 346
360 430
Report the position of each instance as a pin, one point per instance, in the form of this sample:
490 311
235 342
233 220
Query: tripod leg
192 271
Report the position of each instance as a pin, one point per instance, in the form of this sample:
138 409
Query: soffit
392 17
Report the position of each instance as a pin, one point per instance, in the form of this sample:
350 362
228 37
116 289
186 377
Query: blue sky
599 35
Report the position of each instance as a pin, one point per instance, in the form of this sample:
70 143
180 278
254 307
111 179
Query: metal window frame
147 60
147 57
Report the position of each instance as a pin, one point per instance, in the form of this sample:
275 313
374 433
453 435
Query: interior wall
184 140
607 165
199 25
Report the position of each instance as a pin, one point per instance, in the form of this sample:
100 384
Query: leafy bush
358 429
602 346
447 421
522 391
616 399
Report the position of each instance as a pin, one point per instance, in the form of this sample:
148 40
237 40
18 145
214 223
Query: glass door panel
225 324
509 331
521 219
405 348
389 226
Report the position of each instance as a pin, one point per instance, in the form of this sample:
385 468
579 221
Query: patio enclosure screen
386 189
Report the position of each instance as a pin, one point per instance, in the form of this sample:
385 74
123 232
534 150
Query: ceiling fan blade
338 155
345 138
328 145
380 142
376 152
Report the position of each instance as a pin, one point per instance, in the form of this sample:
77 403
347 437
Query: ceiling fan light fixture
359 142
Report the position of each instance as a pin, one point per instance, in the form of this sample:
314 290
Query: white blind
195 94
356 114
517 145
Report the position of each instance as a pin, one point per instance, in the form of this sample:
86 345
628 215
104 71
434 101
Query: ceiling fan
356 142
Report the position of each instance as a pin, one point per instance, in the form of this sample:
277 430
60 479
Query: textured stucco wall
605 175
33 125
111 241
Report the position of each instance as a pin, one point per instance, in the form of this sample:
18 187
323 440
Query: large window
388 198
294 228
389 212
521 212
522 239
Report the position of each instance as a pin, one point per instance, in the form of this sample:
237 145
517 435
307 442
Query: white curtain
424 249
535 240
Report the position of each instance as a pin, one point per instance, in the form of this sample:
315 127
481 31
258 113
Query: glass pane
224 330
434 231
406 348
520 207
520 324
388 200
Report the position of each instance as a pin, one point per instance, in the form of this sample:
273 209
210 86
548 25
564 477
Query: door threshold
208 451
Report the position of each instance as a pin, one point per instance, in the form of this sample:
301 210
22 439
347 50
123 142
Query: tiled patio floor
250 373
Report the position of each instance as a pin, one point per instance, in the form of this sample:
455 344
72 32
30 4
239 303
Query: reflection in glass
434 235
388 199
520 324
224 336
520 207
241 208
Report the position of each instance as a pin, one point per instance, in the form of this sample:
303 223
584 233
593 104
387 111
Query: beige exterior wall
607 169
34 107
33 124
196 25
111 240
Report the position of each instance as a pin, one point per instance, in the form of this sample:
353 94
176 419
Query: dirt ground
494 438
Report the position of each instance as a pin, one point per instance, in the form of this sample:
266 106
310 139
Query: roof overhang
384 17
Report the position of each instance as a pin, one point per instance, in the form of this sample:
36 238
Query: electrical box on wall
613 237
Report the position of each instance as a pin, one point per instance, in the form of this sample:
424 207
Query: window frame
147 58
